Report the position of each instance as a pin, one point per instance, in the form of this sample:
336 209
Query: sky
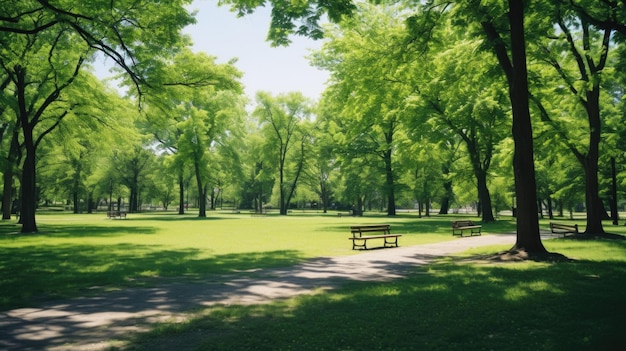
219 32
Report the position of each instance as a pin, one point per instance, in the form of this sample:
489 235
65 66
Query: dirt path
97 323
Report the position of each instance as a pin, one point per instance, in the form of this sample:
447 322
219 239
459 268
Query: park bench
341 214
116 214
360 241
458 227
562 228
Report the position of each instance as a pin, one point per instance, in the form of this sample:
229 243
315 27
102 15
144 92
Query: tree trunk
181 194
7 192
12 161
550 213
445 200
27 212
614 212
595 208
201 193
484 196
90 202
391 194
528 238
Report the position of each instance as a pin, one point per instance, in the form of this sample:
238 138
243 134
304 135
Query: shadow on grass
171 216
446 306
32 274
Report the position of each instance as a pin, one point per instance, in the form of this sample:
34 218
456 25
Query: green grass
75 255
450 305
455 304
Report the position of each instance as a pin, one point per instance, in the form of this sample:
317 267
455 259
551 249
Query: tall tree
578 58
194 101
41 67
283 119
44 47
364 58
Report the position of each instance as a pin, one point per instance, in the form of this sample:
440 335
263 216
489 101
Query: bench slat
562 228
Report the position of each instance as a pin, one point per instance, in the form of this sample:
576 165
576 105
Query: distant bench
562 228
360 241
458 227
116 214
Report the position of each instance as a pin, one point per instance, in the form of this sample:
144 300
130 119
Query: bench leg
355 245
394 242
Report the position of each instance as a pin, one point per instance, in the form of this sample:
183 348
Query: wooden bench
341 214
458 227
562 228
116 214
360 241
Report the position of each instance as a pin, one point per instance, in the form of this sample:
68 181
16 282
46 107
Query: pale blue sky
220 33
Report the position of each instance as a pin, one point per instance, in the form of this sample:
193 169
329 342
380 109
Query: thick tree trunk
484 196
528 238
12 161
27 212
7 192
445 200
595 208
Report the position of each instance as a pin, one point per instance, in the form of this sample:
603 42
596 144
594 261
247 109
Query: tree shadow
35 273
446 306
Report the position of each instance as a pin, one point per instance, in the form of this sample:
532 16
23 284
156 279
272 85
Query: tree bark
201 193
595 208
27 212
528 238
614 212
391 194
12 162
181 194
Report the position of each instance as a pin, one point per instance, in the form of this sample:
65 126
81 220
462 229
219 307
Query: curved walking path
93 323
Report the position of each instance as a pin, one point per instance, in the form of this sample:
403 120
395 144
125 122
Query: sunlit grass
83 254
455 304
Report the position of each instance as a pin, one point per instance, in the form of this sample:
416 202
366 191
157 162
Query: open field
456 304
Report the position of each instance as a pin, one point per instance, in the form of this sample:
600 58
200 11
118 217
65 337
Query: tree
193 103
282 120
463 97
499 23
137 36
368 85
40 68
578 59
44 47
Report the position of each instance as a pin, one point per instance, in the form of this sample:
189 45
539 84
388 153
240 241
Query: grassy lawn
455 304
83 254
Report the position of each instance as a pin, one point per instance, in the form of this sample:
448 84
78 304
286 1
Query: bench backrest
357 229
463 223
573 227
